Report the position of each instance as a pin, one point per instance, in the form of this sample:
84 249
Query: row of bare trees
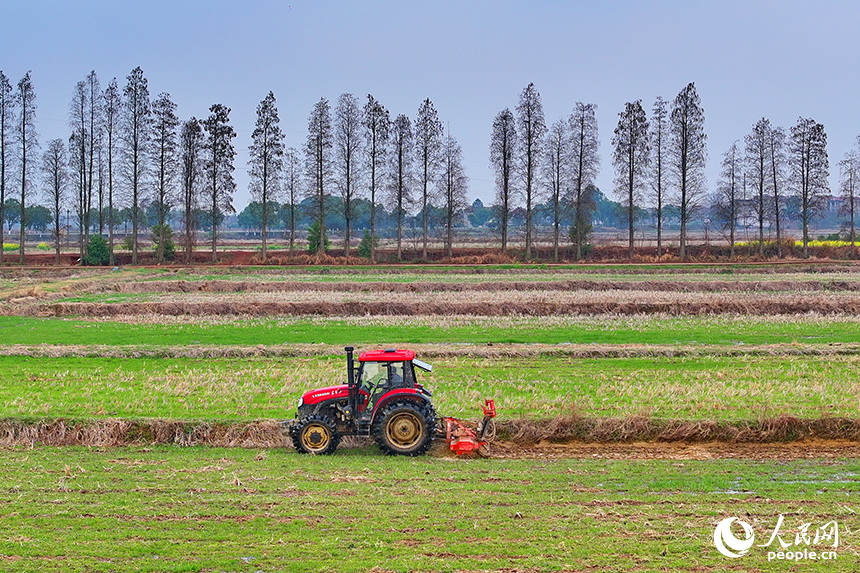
362 153
658 163
127 148
19 143
123 148
775 169
559 164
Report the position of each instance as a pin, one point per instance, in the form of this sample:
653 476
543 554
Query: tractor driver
377 378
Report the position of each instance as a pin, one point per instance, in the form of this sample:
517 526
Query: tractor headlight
301 401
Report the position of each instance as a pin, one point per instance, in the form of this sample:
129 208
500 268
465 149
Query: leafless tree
810 169
377 126
266 159
219 155
688 153
849 183
112 110
757 155
94 123
556 173
531 127
348 149
659 142
585 165
28 144
165 160
78 142
503 153
191 162
55 175
777 159
292 185
7 120
428 147
631 156
730 195
136 134
454 186
319 162
400 189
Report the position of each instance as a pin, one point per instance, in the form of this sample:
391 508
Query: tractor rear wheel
315 434
405 428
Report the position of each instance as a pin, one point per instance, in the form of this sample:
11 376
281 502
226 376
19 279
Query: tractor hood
327 393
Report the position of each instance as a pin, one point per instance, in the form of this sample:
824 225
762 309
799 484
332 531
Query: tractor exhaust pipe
350 380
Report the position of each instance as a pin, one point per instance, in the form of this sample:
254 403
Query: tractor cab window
372 376
385 375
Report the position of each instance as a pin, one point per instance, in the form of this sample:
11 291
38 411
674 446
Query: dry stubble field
639 406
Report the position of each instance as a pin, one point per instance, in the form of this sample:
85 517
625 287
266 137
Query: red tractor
381 399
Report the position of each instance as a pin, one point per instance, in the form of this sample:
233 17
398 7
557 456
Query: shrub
314 239
127 243
43 247
9 247
364 246
169 247
97 252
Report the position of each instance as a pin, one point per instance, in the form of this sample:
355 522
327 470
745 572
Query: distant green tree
98 253
162 242
364 249
314 243
11 212
38 217
479 215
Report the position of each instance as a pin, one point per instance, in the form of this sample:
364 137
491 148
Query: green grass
202 509
723 330
235 389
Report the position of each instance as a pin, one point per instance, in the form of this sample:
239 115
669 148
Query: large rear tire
405 428
315 434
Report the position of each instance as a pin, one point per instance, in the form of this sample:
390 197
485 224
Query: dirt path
806 449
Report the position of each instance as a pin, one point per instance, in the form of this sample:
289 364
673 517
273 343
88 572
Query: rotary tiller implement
463 439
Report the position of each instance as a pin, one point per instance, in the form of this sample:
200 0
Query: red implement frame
464 440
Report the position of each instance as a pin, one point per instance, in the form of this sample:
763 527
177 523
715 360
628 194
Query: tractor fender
409 394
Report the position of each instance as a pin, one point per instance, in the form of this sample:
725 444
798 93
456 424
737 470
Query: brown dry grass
228 286
119 432
525 432
525 304
430 351
645 429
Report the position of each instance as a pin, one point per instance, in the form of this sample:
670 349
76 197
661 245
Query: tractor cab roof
389 355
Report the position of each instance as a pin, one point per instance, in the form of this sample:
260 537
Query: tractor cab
381 372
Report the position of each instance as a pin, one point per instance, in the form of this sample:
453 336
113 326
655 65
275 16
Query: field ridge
113 432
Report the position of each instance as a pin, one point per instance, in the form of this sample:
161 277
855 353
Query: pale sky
749 59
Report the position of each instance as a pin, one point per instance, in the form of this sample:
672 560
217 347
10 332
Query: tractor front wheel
405 428
315 434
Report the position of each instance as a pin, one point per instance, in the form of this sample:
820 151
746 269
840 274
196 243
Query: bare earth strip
490 286
679 304
577 351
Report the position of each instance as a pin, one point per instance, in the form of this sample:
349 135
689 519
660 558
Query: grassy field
157 508
203 509
233 389
173 331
